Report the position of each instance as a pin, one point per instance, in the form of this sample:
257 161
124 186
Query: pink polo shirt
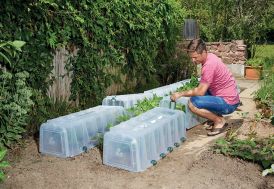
220 80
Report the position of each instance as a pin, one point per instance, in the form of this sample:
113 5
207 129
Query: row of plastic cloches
130 100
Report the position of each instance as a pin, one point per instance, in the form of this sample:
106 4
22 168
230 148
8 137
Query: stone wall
233 52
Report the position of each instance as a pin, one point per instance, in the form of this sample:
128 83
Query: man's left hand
175 96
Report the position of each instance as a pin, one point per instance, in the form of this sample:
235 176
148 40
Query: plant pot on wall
253 73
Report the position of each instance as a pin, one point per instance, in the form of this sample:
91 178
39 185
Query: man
216 94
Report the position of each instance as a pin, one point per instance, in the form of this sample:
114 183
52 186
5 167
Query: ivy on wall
107 34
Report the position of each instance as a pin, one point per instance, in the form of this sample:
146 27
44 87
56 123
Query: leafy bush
15 96
15 104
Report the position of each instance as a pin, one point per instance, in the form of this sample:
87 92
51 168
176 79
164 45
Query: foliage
225 20
9 50
15 104
15 96
145 105
265 95
3 164
106 34
194 82
255 150
255 62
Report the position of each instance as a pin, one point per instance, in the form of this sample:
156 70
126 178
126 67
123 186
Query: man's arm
198 91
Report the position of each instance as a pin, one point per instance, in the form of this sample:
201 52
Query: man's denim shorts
213 104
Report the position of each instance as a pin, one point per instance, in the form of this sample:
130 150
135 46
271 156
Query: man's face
197 58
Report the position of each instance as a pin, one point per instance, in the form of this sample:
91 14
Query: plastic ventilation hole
176 144
85 149
162 155
183 139
170 149
153 162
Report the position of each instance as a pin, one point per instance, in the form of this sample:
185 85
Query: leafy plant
15 96
145 105
255 150
194 82
122 118
15 104
3 164
255 62
265 95
9 49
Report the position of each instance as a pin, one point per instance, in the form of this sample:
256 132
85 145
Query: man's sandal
208 125
216 131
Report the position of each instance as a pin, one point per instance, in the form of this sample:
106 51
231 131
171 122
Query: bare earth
192 165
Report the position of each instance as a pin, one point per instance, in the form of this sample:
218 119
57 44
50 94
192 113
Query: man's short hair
196 45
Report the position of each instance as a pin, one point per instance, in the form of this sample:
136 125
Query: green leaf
5 58
18 44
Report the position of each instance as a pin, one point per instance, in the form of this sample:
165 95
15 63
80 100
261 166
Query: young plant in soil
252 149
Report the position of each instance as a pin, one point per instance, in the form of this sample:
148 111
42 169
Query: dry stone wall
233 52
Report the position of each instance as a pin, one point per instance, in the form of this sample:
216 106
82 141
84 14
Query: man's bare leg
219 121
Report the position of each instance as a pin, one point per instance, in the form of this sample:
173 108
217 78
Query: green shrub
15 105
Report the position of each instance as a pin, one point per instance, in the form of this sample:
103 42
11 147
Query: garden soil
191 165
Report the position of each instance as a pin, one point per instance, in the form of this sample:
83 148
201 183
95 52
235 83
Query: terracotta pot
253 72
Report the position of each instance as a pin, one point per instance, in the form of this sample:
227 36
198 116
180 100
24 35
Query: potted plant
253 68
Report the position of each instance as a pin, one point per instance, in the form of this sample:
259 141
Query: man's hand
175 96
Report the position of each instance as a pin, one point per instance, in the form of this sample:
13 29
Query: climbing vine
106 34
